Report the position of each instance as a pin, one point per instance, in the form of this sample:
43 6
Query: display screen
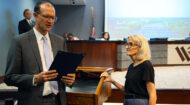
151 18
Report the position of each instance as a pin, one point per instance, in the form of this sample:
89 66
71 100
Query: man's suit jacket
24 26
24 61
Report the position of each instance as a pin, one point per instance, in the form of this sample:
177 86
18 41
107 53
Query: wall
76 19
158 55
11 11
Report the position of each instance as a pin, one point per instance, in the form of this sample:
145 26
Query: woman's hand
107 77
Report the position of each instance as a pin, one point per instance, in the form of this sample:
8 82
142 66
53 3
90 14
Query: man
25 24
65 36
28 63
70 36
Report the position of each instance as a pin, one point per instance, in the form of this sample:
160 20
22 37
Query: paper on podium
65 62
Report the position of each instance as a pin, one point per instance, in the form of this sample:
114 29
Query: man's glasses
130 44
49 17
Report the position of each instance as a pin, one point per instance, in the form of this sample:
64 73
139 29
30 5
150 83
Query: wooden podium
89 90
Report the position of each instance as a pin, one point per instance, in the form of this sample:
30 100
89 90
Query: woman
139 86
105 36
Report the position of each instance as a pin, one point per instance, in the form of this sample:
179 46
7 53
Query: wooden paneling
164 96
116 96
169 42
173 96
97 53
104 53
103 91
94 69
86 92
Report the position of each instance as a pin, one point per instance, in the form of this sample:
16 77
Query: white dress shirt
47 89
29 22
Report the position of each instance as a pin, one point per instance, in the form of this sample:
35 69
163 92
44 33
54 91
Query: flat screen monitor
151 18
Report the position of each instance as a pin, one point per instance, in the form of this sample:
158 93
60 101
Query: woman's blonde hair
144 49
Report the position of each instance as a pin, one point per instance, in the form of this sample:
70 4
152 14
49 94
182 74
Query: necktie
30 23
48 60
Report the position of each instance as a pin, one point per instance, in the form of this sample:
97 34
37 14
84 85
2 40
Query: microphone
109 70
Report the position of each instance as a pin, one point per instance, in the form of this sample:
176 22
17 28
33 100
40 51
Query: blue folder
65 62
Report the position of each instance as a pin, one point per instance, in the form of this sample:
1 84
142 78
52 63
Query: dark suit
24 26
24 61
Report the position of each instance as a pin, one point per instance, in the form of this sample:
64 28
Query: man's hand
69 79
45 76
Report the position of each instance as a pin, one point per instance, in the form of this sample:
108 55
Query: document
65 62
